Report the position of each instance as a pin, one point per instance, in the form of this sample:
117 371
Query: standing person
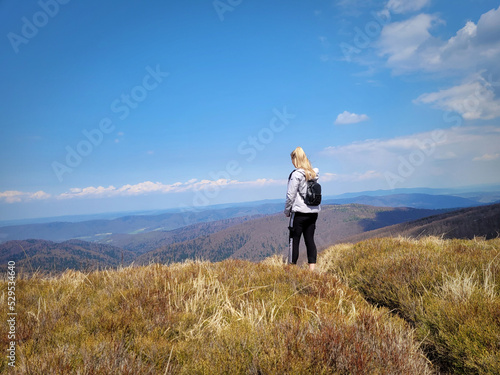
302 217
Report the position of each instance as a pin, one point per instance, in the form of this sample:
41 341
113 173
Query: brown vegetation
266 236
47 256
233 317
482 221
449 290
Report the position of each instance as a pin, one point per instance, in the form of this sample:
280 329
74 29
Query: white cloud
125 190
401 41
429 142
473 44
474 99
376 146
158 187
441 156
350 118
14 196
351 177
487 157
39 195
327 176
142 188
410 47
405 6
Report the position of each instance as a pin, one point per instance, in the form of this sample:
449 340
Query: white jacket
295 201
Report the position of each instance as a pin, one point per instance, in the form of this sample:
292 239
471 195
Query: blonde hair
300 160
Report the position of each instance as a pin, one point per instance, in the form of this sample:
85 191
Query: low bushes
232 317
449 290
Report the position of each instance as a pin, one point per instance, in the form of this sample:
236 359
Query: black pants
301 223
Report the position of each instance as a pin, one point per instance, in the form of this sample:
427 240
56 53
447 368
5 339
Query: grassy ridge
233 317
448 289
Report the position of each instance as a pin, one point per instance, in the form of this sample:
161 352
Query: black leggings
302 223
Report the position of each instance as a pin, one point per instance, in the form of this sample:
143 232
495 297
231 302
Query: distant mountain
466 192
415 200
143 242
115 215
111 226
32 255
262 237
249 237
483 198
95 230
467 223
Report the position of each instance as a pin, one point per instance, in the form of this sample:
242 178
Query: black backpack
313 192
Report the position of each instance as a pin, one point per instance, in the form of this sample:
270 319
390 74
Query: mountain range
254 237
259 238
96 230
251 231
415 200
106 226
48 256
467 223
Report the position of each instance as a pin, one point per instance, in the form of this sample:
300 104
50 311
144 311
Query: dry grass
447 289
232 317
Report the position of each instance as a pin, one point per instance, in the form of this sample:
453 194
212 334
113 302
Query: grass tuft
448 290
199 317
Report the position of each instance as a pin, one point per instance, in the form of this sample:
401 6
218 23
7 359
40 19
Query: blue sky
130 105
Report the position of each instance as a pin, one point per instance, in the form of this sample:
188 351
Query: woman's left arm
291 193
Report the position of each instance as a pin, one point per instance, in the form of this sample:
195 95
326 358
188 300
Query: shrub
447 289
232 317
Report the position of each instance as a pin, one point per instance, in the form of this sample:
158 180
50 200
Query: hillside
414 200
48 256
248 237
233 317
143 242
262 237
381 306
448 290
94 230
111 227
482 221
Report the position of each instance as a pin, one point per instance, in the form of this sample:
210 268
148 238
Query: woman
302 217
